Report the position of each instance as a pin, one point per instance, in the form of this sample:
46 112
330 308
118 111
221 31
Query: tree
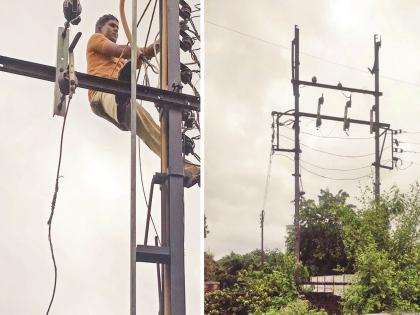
323 227
387 254
211 268
249 287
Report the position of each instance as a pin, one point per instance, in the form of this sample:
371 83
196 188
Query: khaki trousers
105 106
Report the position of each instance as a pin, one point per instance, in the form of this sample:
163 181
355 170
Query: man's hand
149 51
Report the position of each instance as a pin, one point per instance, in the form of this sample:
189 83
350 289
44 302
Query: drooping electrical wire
310 55
333 154
323 176
53 203
267 180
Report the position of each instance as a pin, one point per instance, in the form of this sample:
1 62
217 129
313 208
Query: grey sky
246 79
91 223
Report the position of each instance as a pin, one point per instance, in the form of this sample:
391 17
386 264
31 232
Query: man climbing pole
105 58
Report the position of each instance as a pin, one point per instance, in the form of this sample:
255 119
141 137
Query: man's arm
114 50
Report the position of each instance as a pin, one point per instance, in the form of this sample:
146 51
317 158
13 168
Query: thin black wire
310 55
416 143
330 153
330 137
53 203
146 80
335 169
323 176
411 132
150 24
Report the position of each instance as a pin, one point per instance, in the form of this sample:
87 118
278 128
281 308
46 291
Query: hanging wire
53 203
323 176
334 154
267 180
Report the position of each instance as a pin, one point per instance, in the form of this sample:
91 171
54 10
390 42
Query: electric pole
374 124
375 70
295 76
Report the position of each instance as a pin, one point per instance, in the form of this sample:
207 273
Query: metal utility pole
374 124
133 136
375 70
171 102
172 165
295 76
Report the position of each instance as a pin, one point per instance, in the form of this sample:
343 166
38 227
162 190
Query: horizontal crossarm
353 121
336 87
85 81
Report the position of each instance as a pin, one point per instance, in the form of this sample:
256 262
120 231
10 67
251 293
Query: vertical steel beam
172 164
296 63
133 242
377 183
176 168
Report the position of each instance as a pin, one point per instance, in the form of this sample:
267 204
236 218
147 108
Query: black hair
103 20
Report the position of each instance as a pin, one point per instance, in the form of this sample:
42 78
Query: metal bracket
61 66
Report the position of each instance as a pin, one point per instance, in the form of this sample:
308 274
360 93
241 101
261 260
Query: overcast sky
248 73
91 227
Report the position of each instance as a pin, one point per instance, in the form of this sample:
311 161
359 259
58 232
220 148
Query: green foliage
211 268
379 242
296 307
252 287
323 228
385 245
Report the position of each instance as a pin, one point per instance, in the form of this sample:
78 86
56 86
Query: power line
326 177
333 154
353 68
337 169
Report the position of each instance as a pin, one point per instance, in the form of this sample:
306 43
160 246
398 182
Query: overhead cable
365 71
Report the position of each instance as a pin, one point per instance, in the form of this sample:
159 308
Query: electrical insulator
371 119
395 161
397 150
318 116
184 10
188 145
186 74
397 131
188 117
183 25
72 10
186 41
314 79
397 143
346 125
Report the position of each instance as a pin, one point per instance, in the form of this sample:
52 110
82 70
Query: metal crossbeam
354 121
47 73
153 254
336 87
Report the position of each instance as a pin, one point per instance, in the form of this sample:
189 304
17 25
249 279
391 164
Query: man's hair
103 20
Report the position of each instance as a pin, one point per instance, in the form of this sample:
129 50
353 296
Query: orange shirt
99 64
